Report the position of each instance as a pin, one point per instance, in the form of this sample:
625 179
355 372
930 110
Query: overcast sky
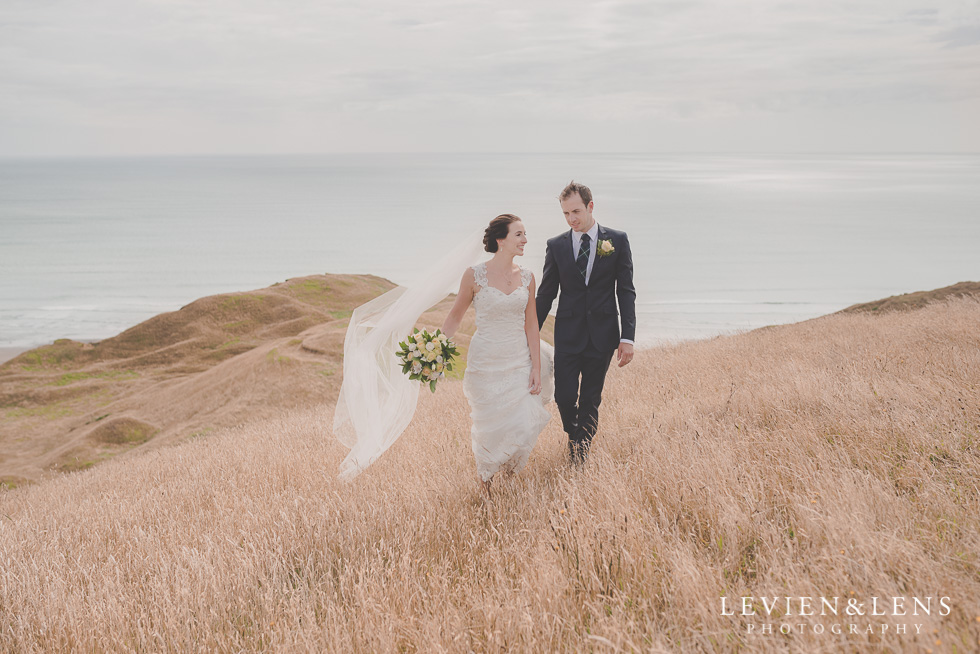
264 76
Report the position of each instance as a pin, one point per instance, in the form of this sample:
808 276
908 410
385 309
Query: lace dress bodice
499 315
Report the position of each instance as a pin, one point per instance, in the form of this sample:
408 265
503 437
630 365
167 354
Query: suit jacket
588 312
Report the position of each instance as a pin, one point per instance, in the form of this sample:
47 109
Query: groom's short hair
574 187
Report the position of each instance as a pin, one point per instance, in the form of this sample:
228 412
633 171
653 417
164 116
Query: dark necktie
582 260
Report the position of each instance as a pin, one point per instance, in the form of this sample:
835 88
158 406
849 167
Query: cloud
386 74
960 37
925 16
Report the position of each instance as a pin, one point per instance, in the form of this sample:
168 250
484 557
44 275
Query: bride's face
515 241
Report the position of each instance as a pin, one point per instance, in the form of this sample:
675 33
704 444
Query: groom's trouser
579 409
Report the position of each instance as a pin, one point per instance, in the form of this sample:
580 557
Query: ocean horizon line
666 153
98 242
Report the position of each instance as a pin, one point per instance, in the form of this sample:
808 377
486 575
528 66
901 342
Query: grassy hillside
837 457
215 362
918 299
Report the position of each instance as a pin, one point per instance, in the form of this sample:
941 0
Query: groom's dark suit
587 329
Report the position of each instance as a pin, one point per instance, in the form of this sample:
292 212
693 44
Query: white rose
607 246
416 368
412 347
430 346
439 359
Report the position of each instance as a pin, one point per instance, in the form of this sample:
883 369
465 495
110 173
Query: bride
503 380
509 375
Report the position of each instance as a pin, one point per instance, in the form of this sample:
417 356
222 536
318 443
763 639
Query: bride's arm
533 339
464 298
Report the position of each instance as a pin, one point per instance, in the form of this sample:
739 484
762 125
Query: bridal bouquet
426 357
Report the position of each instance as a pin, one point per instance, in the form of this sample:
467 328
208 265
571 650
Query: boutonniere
604 247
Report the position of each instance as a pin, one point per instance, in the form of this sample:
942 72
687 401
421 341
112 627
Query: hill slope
834 458
215 362
917 300
218 361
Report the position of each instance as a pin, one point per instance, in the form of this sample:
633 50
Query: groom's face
577 213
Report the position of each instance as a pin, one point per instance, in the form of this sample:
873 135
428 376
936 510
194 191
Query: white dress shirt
577 244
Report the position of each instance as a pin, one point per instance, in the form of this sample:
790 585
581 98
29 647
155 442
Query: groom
593 267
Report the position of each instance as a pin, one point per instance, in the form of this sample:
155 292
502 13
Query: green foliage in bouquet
426 357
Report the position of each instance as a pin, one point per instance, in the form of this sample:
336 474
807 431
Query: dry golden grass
835 457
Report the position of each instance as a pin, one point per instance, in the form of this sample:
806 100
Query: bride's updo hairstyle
498 228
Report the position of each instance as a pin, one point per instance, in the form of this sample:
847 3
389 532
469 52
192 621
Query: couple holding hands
510 373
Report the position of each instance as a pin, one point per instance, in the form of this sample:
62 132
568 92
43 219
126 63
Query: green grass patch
316 292
127 433
48 412
240 302
11 482
71 377
273 356
236 324
73 463
229 349
63 351
123 431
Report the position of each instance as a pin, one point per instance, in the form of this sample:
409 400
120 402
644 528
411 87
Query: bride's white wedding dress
507 418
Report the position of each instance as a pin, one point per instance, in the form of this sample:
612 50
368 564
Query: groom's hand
624 354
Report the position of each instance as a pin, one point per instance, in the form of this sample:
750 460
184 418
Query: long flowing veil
376 401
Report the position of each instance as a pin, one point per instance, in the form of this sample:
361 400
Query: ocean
721 243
